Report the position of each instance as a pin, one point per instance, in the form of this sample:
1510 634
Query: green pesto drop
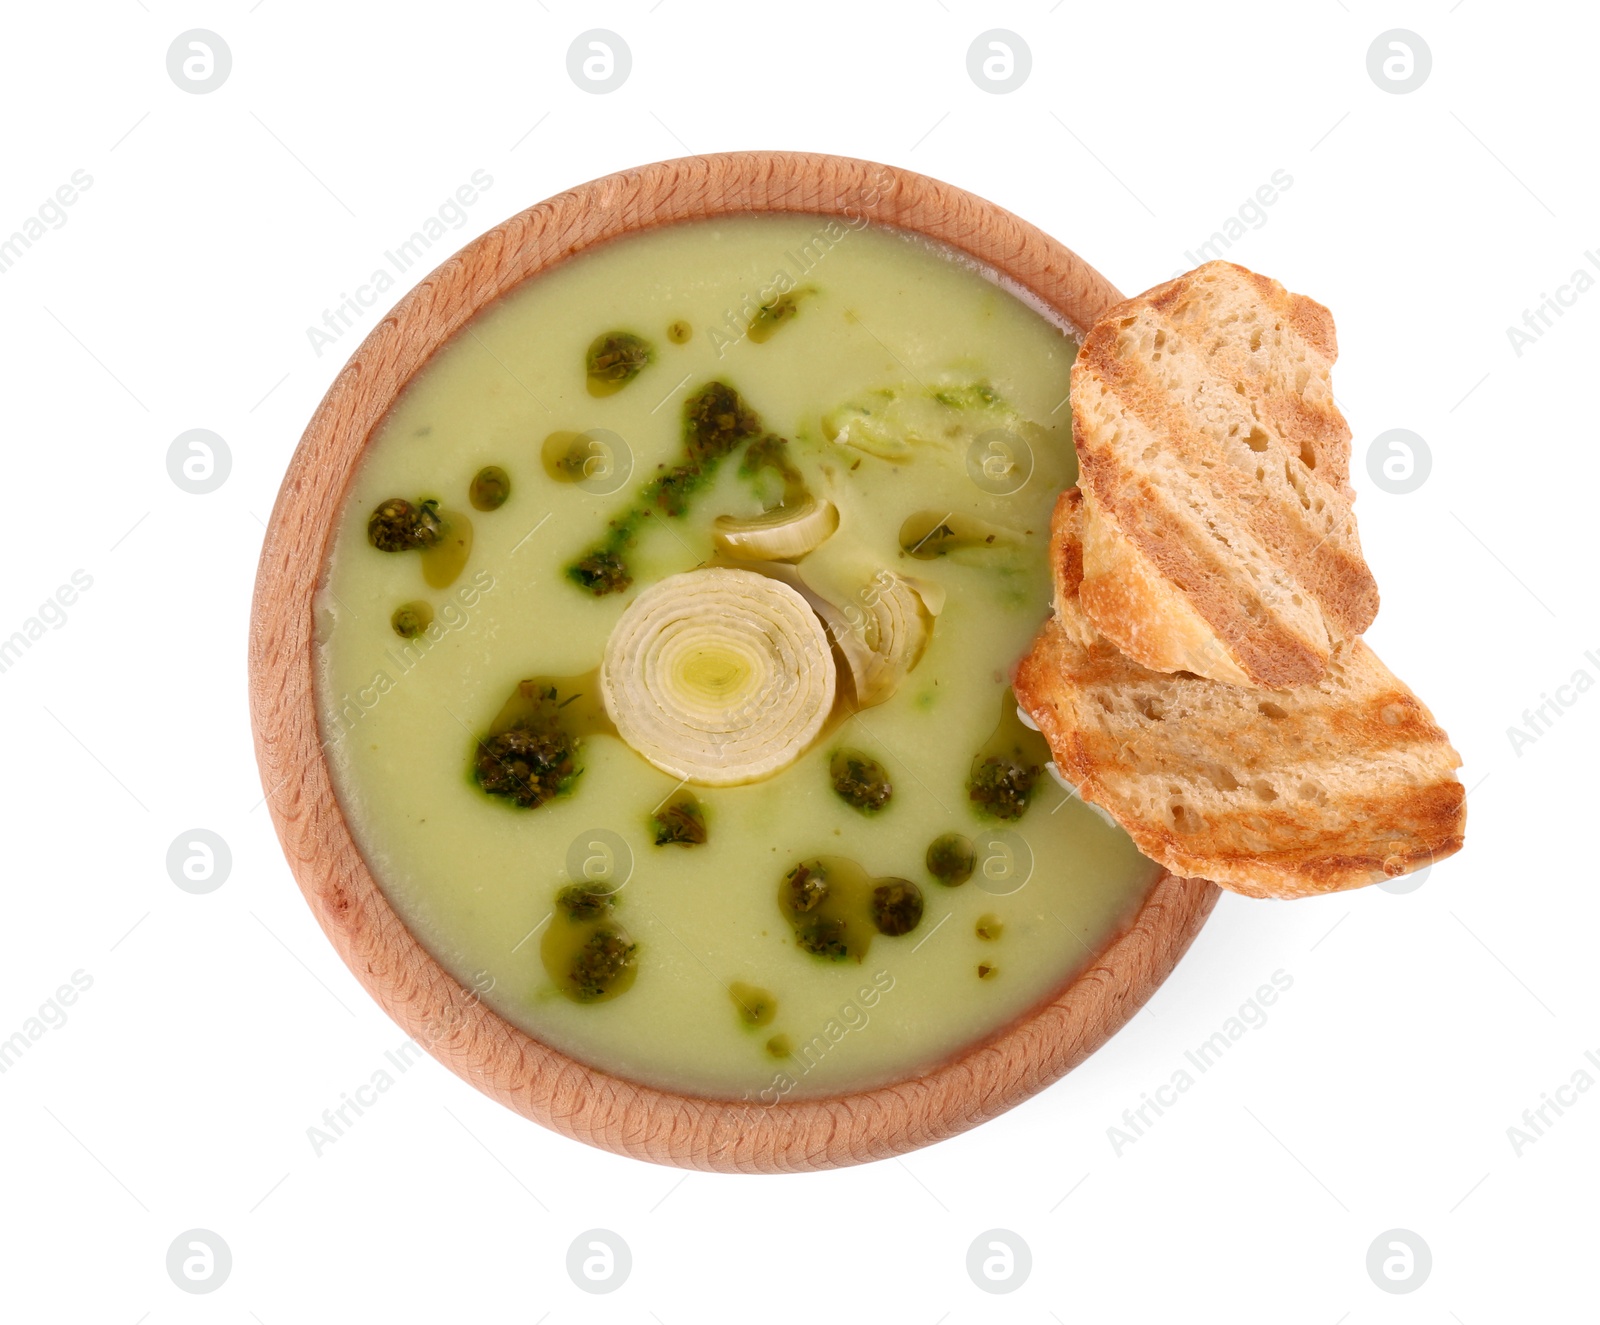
770 316
716 420
860 781
835 907
681 822
756 1006
529 753
951 858
397 525
490 487
614 359
589 957
1006 770
411 619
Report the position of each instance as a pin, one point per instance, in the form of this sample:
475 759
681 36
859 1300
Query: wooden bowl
429 1004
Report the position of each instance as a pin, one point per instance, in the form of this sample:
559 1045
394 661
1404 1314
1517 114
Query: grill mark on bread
1314 559
1209 439
1250 632
1301 526
1327 786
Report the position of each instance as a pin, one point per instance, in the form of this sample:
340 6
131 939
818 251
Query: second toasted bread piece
1215 467
1328 786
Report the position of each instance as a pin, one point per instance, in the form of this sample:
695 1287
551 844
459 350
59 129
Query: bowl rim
452 1022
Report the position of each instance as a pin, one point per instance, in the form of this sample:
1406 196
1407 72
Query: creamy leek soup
664 646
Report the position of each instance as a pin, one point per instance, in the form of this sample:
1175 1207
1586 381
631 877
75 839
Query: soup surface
882 430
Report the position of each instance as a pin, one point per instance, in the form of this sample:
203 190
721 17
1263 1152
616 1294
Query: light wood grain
430 1005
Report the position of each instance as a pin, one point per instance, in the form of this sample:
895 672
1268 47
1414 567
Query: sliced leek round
785 533
881 628
718 676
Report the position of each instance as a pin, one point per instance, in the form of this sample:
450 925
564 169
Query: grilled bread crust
1334 784
1216 470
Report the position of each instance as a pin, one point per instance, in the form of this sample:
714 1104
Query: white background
218 1028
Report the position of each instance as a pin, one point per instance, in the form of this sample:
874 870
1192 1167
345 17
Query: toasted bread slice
1332 785
1215 467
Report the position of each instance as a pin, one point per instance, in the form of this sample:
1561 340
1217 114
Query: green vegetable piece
398 526
757 1007
860 780
681 822
896 907
491 485
951 858
977 395
411 619
615 359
